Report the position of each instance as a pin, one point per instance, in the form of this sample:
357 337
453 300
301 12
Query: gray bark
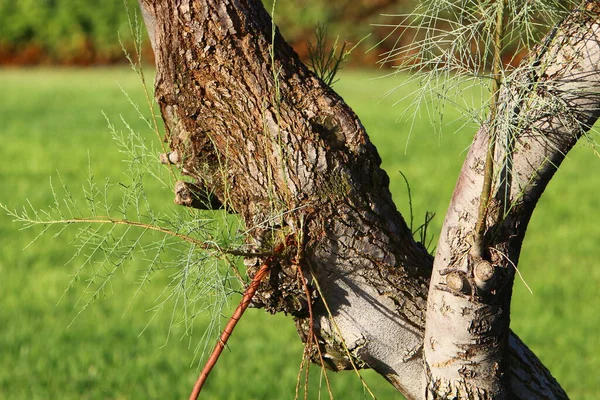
548 104
261 136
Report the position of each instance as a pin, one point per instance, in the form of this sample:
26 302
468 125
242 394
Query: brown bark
269 141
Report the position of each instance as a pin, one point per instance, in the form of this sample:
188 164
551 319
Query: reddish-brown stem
239 311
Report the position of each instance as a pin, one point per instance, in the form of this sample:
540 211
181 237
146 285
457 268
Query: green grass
51 120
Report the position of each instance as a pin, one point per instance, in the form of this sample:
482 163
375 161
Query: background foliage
63 31
85 32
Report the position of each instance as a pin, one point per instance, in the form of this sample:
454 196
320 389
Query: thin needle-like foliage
111 223
445 49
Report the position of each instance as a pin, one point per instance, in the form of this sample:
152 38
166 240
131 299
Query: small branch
478 242
239 311
312 335
107 220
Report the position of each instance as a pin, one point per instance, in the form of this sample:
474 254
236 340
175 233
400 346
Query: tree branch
547 105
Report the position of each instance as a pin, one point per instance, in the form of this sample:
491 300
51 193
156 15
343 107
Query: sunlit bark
263 137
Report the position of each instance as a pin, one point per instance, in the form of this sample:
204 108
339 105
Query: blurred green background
51 122
83 32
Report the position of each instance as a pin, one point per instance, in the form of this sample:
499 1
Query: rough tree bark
259 134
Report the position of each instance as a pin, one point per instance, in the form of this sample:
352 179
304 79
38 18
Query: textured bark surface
261 136
545 108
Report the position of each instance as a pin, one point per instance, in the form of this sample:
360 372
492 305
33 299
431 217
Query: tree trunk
259 134
549 103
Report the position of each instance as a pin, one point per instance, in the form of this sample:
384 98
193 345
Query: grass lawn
51 121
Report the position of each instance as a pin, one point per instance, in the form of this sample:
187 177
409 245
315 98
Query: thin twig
239 311
410 205
312 335
339 332
302 362
514 266
143 225
478 245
